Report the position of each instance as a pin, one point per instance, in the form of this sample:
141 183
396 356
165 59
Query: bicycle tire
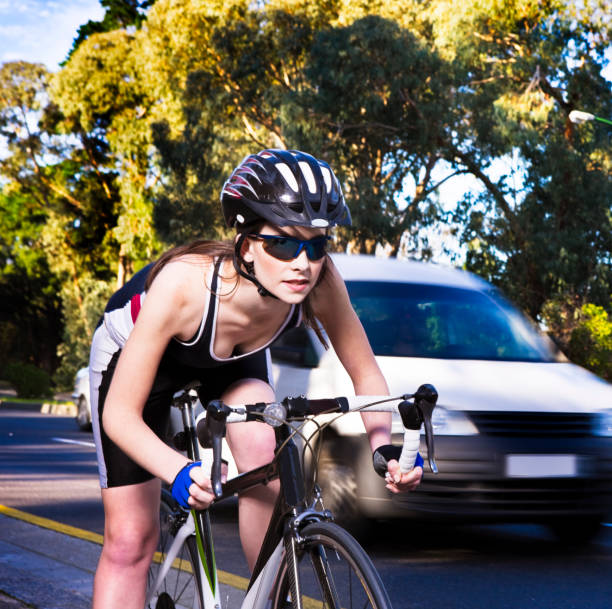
335 572
181 588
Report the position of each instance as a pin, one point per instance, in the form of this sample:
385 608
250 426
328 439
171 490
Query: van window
295 347
415 320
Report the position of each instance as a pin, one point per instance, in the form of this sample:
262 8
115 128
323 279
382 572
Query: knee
130 547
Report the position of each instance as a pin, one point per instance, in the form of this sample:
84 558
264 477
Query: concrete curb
63 410
67 409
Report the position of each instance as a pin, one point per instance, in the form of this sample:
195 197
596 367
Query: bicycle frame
290 510
288 467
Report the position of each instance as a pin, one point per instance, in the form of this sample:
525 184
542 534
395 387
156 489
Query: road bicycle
307 561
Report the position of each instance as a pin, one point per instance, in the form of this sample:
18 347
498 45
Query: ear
246 248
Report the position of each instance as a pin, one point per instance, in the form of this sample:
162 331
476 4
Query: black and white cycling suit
181 363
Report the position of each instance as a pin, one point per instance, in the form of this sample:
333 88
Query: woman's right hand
192 488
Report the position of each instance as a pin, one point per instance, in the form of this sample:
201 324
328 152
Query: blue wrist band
418 462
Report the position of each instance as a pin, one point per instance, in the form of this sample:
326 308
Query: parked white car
80 395
521 433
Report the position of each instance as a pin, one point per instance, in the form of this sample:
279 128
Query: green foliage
590 343
56 207
582 330
82 307
28 380
30 313
119 14
386 131
129 146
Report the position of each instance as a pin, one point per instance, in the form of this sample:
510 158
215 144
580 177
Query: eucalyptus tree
542 229
55 208
398 96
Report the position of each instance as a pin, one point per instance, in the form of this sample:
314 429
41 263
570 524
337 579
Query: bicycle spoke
325 578
334 573
180 587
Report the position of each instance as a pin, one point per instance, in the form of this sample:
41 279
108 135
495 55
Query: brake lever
425 400
211 431
419 413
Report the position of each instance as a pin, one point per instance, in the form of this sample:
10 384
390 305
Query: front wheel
181 586
334 572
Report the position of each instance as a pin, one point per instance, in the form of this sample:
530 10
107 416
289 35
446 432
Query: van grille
507 498
532 424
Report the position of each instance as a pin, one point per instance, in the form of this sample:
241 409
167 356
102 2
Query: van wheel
83 417
338 482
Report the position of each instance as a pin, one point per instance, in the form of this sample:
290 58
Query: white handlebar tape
412 440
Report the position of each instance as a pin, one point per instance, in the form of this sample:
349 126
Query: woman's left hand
398 482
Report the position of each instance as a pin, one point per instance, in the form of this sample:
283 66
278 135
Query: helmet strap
249 274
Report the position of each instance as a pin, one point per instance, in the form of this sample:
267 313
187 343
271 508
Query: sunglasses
288 248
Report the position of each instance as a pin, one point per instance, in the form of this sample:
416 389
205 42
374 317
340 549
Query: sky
42 30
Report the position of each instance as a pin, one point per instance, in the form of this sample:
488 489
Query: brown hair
225 249
202 247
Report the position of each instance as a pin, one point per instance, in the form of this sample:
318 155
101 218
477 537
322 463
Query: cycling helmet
285 188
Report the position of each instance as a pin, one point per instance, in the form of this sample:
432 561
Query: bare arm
168 310
333 308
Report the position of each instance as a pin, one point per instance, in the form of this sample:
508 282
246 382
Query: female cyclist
208 311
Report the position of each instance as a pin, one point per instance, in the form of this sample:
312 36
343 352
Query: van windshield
413 320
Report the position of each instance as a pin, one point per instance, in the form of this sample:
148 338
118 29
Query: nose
301 260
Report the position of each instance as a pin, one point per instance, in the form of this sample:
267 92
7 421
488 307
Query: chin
289 296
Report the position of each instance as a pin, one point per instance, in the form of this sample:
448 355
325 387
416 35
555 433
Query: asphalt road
47 468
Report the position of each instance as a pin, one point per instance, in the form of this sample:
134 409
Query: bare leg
130 537
252 445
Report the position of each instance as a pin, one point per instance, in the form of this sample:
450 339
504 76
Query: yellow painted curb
46 523
62 410
241 583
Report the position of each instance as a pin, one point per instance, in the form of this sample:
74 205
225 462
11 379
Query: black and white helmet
284 188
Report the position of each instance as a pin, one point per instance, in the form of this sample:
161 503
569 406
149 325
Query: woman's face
289 280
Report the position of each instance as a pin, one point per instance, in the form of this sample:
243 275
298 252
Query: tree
30 309
119 14
100 93
399 97
56 205
277 76
543 231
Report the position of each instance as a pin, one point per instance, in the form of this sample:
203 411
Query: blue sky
42 30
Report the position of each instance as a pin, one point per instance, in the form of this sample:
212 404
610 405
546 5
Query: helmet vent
320 222
288 175
327 177
309 176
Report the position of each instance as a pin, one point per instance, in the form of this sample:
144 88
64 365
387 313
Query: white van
521 433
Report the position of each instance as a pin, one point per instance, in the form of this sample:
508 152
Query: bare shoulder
186 273
177 295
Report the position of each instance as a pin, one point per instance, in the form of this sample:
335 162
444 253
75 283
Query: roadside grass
33 401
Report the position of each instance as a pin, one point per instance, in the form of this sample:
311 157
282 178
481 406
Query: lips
296 285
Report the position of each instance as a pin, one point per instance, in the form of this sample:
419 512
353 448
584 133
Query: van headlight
603 426
452 423
445 422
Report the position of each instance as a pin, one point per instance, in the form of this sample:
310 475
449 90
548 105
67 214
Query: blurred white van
521 433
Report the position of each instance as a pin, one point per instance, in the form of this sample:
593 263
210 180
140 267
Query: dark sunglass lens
315 248
281 248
